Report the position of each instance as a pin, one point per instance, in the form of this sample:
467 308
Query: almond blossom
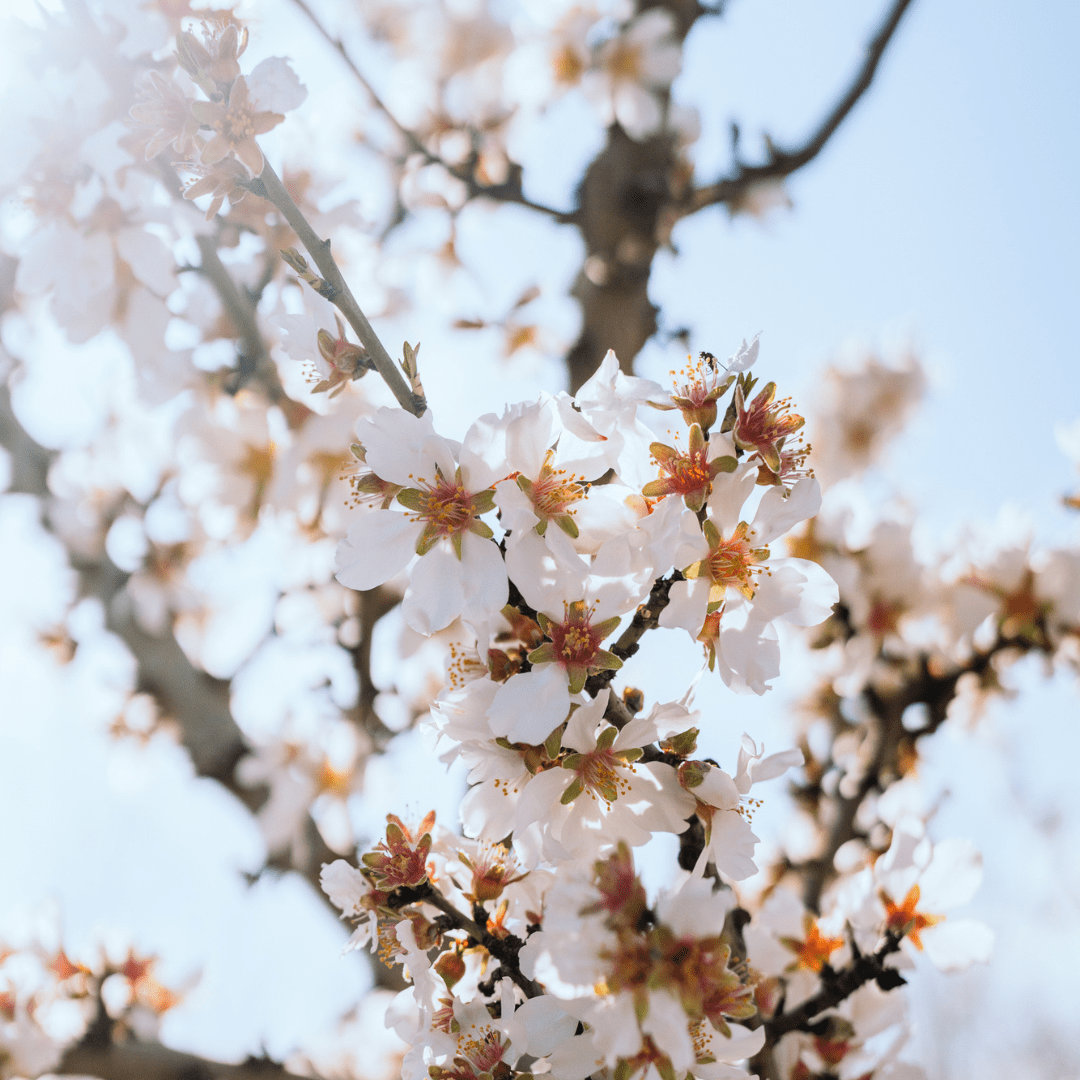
459 571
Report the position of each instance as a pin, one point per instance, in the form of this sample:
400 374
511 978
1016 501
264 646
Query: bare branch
782 163
270 187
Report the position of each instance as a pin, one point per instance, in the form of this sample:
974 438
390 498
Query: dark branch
151 1061
782 163
838 985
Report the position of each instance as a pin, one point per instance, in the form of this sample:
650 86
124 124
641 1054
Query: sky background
942 215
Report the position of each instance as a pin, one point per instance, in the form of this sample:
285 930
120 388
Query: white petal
274 87
393 440
687 605
778 512
666 1023
377 547
954 874
956 943
484 578
530 705
436 593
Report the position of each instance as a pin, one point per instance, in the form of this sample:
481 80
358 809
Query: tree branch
134 1060
254 359
782 163
506 192
270 187
838 985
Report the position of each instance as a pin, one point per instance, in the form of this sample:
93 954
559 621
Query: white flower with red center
724 806
460 570
601 793
690 473
764 424
736 589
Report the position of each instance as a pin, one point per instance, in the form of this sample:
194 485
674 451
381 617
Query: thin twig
269 186
506 192
782 163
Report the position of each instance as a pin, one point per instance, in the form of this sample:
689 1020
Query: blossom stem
505 950
269 186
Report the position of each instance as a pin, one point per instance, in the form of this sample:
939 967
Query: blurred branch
510 191
151 1061
253 360
892 740
782 163
269 186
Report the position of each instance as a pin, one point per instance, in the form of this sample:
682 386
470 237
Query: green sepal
568 526
578 674
683 744
481 529
358 452
553 743
605 661
482 502
606 628
631 755
575 788
455 541
607 737
412 499
542 654
725 464
525 484
544 622
428 539
541 528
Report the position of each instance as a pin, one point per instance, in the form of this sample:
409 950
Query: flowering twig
270 187
838 985
505 949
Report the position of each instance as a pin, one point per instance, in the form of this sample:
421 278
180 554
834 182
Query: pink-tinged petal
436 593
484 578
217 148
393 440
687 604
377 547
776 765
748 657
247 150
717 789
776 514
530 705
486 808
956 943
530 436
518 515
